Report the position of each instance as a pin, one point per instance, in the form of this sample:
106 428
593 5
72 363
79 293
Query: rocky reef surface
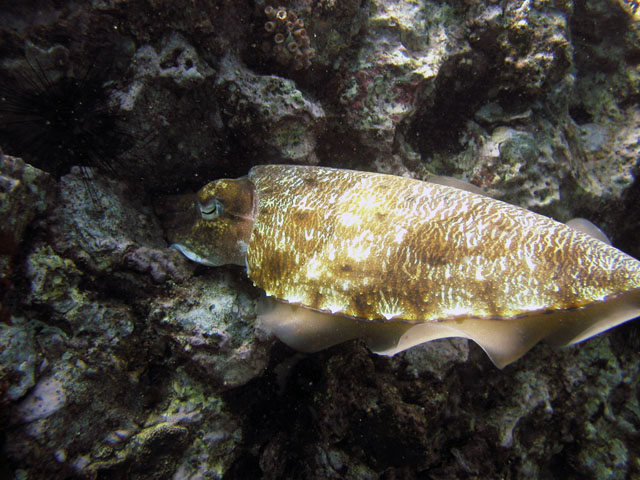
121 359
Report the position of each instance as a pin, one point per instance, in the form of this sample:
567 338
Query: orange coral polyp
290 43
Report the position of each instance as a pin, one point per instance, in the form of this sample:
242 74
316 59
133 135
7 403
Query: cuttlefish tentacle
343 254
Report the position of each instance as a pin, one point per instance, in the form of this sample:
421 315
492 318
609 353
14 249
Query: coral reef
106 233
270 113
120 359
90 389
169 93
25 193
287 40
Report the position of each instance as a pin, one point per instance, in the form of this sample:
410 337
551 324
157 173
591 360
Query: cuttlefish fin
303 329
458 183
503 340
311 331
585 226
581 324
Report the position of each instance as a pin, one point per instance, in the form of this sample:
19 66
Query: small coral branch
287 38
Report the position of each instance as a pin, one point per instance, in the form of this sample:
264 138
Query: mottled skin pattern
227 235
379 247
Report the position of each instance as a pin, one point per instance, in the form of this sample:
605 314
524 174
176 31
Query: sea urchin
56 121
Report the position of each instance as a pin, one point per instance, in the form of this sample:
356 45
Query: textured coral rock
270 113
573 138
100 223
18 359
97 396
171 114
25 192
405 46
211 319
376 419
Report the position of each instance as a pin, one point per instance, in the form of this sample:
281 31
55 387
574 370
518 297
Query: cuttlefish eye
211 209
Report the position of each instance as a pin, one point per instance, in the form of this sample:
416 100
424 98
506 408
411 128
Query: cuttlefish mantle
343 254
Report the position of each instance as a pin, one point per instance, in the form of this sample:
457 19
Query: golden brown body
401 261
378 247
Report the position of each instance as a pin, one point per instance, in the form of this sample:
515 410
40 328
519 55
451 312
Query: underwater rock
518 166
374 417
549 165
405 46
574 150
418 69
100 224
151 453
436 358
172 116
25 192
46 399
18 359
534 46
55 284
269 113
534 101
211 321
108 379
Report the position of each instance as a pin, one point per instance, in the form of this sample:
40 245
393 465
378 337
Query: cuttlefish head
213 227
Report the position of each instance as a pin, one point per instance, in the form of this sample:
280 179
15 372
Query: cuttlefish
344 254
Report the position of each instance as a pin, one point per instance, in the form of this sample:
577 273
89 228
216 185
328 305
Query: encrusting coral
289 43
